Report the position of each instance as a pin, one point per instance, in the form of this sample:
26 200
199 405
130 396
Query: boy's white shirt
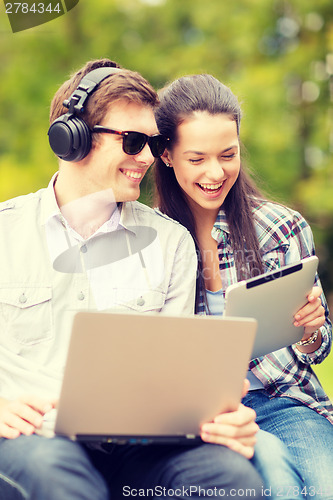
37 303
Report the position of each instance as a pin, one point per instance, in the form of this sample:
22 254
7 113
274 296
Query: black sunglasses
134 142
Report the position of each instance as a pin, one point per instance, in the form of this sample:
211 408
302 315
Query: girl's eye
229 157
196 160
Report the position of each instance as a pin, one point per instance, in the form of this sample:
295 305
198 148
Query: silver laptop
141 378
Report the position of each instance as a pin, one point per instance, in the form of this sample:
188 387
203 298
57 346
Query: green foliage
277 56
325 373
264 50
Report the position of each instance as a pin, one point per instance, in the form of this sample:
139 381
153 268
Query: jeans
275 464
308 436
38 468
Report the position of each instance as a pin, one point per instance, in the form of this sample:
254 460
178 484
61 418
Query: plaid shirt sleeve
302 246
284 238
288 372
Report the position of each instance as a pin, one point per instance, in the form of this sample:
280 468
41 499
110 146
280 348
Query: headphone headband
69 135
86 87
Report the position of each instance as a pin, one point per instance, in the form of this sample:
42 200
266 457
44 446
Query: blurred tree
277 56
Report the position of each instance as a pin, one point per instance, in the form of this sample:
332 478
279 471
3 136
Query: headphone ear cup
70 138
83 135
69 135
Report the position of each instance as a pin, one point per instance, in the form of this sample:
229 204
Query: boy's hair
126 85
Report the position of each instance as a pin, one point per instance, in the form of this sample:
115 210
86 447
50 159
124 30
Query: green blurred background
276 55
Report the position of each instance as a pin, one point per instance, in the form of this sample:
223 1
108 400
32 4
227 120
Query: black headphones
69 135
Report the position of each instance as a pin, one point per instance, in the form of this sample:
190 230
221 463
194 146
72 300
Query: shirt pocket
139 300
273 260
26 315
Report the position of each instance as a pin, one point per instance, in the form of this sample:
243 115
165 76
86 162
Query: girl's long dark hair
179 101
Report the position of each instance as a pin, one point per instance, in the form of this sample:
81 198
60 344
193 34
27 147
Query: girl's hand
312 315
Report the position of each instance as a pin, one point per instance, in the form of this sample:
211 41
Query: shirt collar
128 216
220 227
49 205
50 209
272 231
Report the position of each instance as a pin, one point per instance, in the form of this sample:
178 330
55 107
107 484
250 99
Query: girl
202 183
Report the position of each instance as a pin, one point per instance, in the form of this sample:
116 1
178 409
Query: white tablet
273 299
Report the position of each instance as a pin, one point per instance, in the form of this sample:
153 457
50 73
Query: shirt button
224 259
80 296
140 301
62 220
84 249
22 298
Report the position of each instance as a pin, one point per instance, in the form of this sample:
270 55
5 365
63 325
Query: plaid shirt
284 238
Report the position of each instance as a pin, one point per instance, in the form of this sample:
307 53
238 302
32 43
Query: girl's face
206 159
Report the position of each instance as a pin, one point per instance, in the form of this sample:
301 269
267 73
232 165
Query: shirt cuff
319 354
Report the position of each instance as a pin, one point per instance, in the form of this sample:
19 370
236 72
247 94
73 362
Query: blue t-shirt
215 302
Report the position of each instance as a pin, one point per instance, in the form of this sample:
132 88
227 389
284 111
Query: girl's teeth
212 187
